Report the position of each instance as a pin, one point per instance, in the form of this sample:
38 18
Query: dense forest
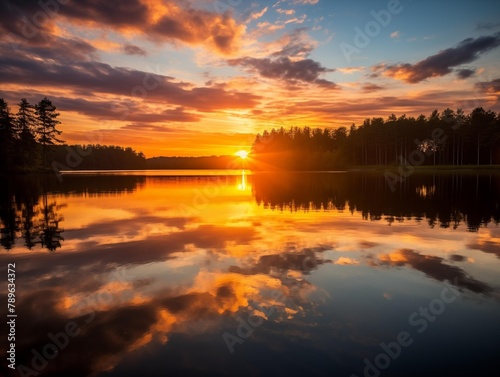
446 138
96 157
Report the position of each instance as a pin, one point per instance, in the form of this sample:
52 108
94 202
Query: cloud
267 28
173 21
465 73
257 15
305 2
442 63
295 44
95 77
65 50
288 12
490 87
395 34
370 88
350 70
133 50
346 261
292 72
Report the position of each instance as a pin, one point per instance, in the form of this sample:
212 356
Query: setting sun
243 154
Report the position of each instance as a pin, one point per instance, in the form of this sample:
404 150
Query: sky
194 78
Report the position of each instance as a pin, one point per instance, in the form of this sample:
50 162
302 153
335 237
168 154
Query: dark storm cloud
293 72
442 63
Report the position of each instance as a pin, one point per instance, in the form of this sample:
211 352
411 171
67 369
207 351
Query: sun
243 154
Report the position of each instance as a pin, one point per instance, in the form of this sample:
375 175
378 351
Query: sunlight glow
243 154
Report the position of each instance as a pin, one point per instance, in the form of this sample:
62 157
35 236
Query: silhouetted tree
26 125
46 128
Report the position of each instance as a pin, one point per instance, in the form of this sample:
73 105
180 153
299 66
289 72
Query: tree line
443 138
97 157
29 142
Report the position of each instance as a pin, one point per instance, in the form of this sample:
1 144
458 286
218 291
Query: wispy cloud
288 12
305 2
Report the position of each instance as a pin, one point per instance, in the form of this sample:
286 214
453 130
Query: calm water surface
270 274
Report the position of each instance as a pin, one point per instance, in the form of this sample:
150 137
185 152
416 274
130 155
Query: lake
217 273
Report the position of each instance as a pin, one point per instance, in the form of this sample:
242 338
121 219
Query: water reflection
446 199
29 209
152 288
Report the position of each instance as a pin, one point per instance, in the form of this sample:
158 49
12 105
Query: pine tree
46 128
26 125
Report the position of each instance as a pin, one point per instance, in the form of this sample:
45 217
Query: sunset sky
196 78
